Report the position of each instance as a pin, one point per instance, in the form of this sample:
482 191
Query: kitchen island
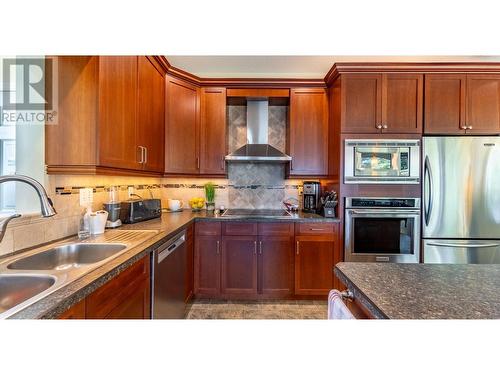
424 291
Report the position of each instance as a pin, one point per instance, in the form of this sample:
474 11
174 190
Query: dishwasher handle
169 247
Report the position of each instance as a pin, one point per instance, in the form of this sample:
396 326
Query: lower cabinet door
207 267
135 306
239 265
276 266
313 265
119 297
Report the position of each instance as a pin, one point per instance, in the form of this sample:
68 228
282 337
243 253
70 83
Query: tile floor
208 309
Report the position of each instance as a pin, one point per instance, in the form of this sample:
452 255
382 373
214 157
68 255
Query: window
21 132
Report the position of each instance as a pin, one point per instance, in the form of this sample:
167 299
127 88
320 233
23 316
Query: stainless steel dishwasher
168 282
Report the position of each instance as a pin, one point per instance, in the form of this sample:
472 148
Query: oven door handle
379 212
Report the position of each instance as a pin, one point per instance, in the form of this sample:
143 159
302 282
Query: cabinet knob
378 126
463 127
469 127
384 126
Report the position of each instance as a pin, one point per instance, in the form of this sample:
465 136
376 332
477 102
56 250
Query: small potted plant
210 196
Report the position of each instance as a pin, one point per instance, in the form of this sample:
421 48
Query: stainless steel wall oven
382 230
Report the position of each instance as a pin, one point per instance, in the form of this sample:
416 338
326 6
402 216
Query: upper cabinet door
361 103
308 132
181 127
483 104
117 112
151 114
213 131
444 103
402 101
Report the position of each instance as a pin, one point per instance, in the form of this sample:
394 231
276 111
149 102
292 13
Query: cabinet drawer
275 229
315 228
208 229
239 229
101 302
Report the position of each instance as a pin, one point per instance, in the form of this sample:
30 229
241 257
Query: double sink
31 276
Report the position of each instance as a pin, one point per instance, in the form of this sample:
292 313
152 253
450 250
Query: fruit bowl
196 204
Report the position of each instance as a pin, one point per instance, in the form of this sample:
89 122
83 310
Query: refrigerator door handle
428 179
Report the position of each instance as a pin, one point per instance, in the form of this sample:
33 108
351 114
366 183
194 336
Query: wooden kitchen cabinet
117 112
445 103
213 131
151 114
483 104
207 264
110 116
314 261
361 103
381 103
462 104
239 265
127 296
276 264
308 134
182 127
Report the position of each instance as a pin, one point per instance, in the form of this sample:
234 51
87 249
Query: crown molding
423 67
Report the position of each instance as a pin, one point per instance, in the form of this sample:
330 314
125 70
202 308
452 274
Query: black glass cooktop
255 213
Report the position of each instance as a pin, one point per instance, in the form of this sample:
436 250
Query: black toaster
136 210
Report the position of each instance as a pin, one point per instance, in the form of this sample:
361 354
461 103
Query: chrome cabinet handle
197 162
316 229
463 127
378 126
347 294
469 127
297 248
260 247
384 126
142 154
145 155
218 247
222 163
255 247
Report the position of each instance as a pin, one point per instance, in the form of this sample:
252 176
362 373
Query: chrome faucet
46 205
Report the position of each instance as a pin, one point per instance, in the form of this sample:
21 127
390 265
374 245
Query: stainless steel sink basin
15 289
67 257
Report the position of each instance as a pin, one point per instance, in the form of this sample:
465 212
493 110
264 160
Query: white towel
337 309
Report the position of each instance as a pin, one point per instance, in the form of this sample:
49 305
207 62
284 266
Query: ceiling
291 66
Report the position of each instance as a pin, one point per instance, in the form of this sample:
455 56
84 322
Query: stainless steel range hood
258 148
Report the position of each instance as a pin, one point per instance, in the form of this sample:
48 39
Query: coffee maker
311 195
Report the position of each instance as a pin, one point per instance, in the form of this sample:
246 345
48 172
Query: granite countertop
168 225
424 291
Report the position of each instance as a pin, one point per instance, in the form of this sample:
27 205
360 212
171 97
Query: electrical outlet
130 191
86 197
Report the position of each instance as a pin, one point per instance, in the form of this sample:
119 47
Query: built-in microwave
382 161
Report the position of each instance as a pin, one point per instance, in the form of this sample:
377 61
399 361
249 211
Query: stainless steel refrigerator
461 199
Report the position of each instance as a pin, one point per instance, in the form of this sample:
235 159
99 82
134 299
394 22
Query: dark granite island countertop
424 291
